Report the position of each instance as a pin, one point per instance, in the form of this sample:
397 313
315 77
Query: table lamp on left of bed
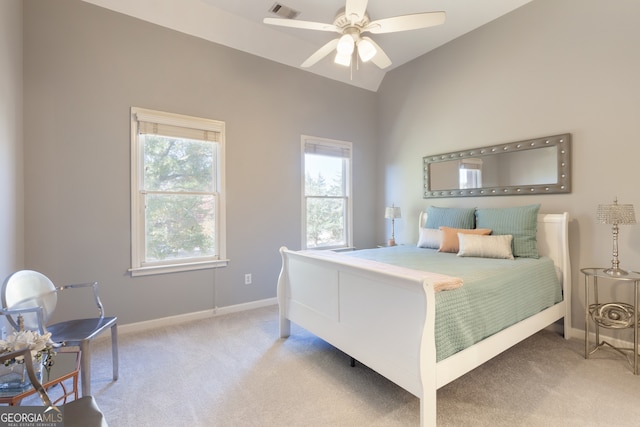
392 212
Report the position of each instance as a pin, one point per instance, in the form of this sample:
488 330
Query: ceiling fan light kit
346 46
351 23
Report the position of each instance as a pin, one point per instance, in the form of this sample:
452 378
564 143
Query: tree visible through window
327 187
177 197
180 206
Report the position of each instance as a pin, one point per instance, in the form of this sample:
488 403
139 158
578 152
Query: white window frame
138 265
335 145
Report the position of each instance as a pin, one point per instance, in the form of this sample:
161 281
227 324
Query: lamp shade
344 50
616 214
392 212
366 50
345 45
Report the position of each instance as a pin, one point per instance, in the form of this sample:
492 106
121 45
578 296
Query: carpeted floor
233 370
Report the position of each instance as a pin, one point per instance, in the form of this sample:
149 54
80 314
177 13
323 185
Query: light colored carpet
233 370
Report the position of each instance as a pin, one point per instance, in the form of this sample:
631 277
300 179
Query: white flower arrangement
40 346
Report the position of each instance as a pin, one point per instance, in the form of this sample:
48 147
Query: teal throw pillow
450 217
521 222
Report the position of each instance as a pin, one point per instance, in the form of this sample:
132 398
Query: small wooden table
66 366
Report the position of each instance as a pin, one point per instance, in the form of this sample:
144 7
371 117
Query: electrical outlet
247 279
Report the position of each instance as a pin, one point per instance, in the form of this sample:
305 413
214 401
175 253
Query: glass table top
65 364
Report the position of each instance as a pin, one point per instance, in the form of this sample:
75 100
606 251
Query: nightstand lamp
616 214
392 212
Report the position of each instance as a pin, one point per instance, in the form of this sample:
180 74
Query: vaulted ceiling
238 24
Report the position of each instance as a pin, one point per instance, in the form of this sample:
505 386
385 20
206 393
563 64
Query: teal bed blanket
496 293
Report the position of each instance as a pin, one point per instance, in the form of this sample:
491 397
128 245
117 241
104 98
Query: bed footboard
382 319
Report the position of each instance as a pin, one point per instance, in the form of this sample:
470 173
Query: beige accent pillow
429 238
485 246
450 237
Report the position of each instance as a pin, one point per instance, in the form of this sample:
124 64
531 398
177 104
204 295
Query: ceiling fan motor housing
343 22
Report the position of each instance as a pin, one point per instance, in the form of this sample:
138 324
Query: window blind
470 164
333 150
178 126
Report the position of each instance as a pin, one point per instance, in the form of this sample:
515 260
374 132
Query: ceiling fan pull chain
354 51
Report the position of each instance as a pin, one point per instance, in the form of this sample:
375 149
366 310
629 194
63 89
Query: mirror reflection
525 167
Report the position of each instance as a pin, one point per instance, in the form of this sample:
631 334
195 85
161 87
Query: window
470 173
326 206
177 193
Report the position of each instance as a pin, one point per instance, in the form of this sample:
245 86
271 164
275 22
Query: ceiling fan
351 23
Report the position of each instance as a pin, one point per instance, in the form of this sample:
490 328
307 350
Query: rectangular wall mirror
535 166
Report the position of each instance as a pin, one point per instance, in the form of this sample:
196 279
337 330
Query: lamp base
616 272
391 242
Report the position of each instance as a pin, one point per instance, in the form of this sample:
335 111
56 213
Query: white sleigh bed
347 306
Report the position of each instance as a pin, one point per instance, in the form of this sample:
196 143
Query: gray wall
549 67
85 67
11 183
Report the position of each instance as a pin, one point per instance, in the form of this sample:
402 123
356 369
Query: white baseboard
579 334
181 318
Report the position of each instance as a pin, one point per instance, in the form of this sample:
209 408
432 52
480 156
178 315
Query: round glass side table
611 315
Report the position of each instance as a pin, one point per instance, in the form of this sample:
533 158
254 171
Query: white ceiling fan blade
406 22
380 58
305 25
320 53
355 10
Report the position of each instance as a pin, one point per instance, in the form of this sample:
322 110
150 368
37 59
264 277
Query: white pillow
429 238
474 245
